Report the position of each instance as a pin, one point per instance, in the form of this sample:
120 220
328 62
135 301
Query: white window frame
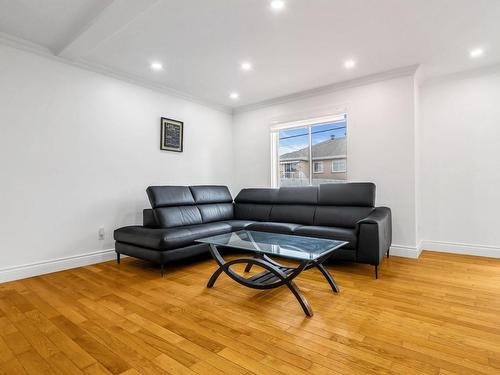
309 123
343 170
320 163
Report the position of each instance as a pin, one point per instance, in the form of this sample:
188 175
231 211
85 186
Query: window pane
330 147
339 165
318 167
293 151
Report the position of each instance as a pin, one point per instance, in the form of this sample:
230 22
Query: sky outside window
296 139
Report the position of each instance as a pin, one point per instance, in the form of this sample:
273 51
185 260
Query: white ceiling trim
28 46
110 21
464 74
372 78
23 44
37 49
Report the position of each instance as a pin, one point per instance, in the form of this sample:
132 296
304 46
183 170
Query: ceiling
201 43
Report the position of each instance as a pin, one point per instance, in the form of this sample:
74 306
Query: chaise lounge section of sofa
181 214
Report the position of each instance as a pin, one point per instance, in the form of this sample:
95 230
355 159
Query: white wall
381 136
77 151
460 156
418 160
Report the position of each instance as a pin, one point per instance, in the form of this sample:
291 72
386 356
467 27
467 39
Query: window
339 165
318 167
289 167
294 157
288 170
301 150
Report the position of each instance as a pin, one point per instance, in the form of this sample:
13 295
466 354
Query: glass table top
283 245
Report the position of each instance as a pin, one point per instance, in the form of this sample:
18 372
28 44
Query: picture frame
172 135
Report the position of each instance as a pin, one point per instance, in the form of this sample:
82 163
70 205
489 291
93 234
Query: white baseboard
462 248
446 247
406 251
54 265
61 264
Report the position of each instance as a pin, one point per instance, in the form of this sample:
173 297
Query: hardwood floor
436 315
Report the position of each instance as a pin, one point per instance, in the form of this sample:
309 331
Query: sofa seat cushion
238 224
273 227
170 238
333 233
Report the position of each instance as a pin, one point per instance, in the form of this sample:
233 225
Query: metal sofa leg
376 272
117 257
388 250
162 269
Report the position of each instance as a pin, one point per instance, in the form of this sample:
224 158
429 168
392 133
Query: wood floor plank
12 367
172 366
34 364
438 315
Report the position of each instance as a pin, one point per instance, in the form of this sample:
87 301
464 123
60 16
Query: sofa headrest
211 194
166 196
257 195
347 194
298 195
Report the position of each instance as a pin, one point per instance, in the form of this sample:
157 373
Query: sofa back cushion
293 213
254 204
295 205
354 194
216 212
340 216
209 194
214 202
257 195
307 195
334 205
344 204
170 217
168 196
250 211
173 206
176 206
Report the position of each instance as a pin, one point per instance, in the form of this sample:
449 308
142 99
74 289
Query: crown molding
462 74
372 78
24 45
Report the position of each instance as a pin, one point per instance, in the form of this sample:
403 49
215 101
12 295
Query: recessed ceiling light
477 52
234 95
277 4
155 65
246 66
350 64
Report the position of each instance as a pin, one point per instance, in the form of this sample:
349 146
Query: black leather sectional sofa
181 214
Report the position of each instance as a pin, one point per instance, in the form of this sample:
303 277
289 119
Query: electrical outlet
100 234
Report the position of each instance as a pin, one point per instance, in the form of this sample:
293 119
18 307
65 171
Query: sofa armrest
374 236
140 236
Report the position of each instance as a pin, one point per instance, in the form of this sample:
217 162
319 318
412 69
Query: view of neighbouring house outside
325 161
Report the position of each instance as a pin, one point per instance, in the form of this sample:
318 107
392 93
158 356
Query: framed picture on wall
171 135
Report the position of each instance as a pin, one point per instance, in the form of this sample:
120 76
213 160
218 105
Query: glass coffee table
309 252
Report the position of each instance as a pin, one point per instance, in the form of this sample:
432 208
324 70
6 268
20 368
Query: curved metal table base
274 276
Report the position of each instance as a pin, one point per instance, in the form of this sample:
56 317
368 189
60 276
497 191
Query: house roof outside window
335 148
